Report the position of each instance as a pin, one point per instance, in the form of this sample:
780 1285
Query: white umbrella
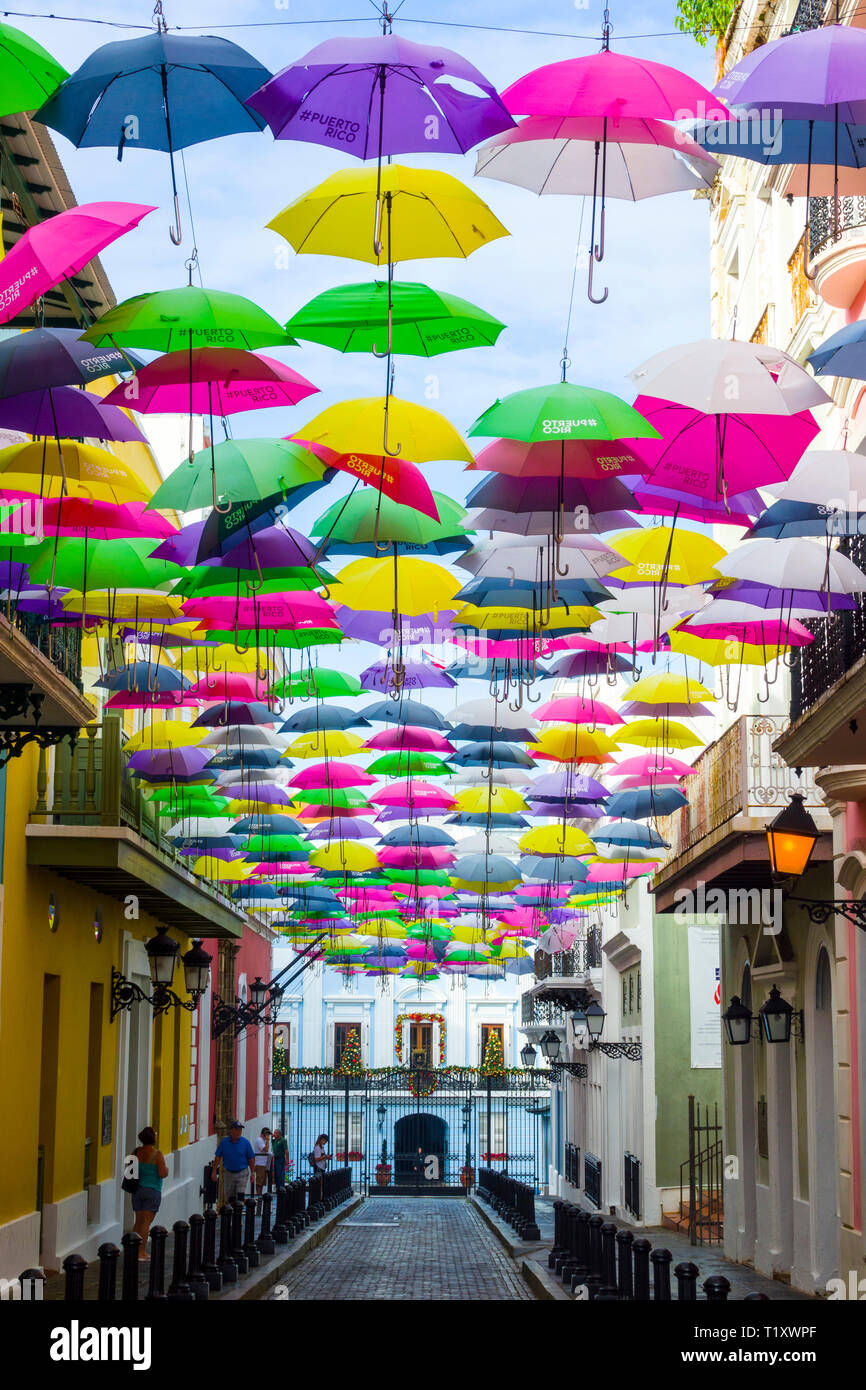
490 714
644 598
528 558
824 477
643 158
632 627
797 563
243 736
722 377
726 610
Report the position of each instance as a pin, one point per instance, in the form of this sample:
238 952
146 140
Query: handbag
130 1184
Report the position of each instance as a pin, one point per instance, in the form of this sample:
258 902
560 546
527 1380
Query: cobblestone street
408 1248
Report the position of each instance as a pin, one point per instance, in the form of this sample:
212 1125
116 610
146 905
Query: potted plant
383 1168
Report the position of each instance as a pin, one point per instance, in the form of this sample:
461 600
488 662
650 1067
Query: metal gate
417 1130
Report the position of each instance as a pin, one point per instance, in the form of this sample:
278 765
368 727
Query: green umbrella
239 470
409 765
430 931
213 581
73 563
267 637
28 74
424 323
369 516
342 798
167 320
437 878
322 681
275 846
563 411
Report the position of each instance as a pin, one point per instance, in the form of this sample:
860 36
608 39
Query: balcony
541 1013
92 824
718 838
837 248
562 979
40 684
828 687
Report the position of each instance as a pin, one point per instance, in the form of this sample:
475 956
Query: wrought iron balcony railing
808 15
840 641
584 955
61 645
541 1012
827 223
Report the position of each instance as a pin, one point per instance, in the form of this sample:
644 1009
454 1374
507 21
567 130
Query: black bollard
641 1253
749 1298
250 1248
280 1231
108 1256
179 1289
661 1263
156 1287
687 1281
32 1283
74 1267
131 1243
228 1269
608 1255
717 1288
265 1242
209 1267
625 1284
238 1255
558 1247
195 1275
594 1261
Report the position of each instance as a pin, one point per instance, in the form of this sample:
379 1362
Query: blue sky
657 256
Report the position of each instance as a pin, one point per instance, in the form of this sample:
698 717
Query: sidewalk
710 1259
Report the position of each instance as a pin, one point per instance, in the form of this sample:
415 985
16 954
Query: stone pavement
417 1248
710 1259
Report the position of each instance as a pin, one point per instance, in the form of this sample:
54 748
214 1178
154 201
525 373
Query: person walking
235 1154
263 1160
279 1149
147 1197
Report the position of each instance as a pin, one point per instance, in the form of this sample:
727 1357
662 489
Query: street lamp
791 836
162 953
777 1020
595 1016
258 993
528 1056
196 968
550 1045
162 956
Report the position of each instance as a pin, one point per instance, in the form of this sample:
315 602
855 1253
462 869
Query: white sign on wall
705 996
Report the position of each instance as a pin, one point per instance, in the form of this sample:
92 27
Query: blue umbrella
786 518
778 141
268 825
160 92
404 712
549 868
491 754
323 716
416 835
144 676
629 832
486 733
643 802
496 820
523 593
843 353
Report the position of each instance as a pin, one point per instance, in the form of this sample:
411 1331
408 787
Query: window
282 1049
341 1037
823 983
487 1030
624 995
339 1136
498 1130
421 1043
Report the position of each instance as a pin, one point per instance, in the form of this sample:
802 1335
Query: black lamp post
528 1055
162 957
551 1047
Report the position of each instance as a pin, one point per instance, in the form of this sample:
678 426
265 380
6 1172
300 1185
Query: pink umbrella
771 633
643 763
603 873
615 85
228 685
549 458
711 455
416 795
398 479
211 381
272 611
70 516
331 774
151 699
415 856
59 247
572 709
647 779
410 739
739 510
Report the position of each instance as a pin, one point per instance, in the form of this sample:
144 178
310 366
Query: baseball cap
236 1124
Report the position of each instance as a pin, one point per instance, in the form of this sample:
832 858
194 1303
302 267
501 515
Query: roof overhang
23 665
738 860
832 732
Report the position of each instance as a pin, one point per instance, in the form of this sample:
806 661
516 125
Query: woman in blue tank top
151 1171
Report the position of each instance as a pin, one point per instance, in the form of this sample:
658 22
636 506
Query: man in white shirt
263 1160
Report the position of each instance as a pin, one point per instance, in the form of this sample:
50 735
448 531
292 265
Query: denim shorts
146 1199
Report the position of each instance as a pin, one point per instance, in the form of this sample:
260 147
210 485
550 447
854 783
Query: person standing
148 1195
320 1161
279 1149
263 1160
238 1160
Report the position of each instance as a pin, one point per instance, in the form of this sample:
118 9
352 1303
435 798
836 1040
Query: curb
542 1285
268 1274
517 1249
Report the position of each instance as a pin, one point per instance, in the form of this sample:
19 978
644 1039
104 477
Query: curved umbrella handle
176 232
389 348
594 299
392 453
222 511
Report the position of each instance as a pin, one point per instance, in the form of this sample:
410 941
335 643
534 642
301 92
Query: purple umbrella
65 412
765 596
56 357
342 828
369 626
417 675
550 494
274 547
170 762
575 787
381 96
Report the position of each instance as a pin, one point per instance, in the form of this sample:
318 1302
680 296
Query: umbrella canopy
189 317
699 375
28 73
55 357
423 322
608 84
562 412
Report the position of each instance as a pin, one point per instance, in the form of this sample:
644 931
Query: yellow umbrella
358 426
402 584
483 798
222 870
720 651
125 605
556 839
651 733
41 467
578 616
411 215
255 808
347 855
657 552
574 744
164 734
377 927
669 688
324 743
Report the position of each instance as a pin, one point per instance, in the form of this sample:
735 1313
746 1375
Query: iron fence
417 1129
631 1184
592 1179
541 1011
839 642
572 1165
701 1177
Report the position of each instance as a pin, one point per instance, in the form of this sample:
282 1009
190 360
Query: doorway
418 1138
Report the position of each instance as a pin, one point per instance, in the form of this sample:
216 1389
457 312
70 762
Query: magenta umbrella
59 247
272 611
410 738
712 455
330 774
211 381
740 509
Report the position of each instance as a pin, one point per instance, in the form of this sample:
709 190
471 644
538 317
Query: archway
418 1138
